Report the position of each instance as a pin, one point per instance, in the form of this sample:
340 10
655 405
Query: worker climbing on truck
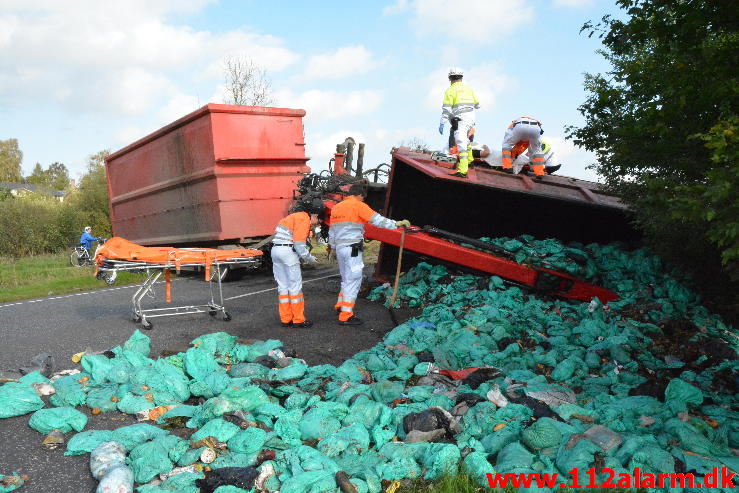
289 248
458 108
346 236
527 132
521 155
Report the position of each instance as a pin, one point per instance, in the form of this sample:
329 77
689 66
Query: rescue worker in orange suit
458 108
522 133
346 236
289 248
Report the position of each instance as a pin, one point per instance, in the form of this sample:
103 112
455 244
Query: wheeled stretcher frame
153 272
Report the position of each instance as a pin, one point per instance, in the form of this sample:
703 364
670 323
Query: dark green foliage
38 223
663 124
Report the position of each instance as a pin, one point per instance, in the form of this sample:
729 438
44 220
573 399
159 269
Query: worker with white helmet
458 108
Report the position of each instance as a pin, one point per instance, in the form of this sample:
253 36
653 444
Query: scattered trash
603 437
53 440
12 482
108 465
241 477
42 363
495 396
43 388
485 370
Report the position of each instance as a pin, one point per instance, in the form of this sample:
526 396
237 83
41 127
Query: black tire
226 317
76 259
146 325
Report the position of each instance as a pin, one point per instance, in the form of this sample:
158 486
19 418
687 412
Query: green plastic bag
131 404
134 435
352 439
216 343
542 434
219 428
247 441
17 399
139 343
680 394
86 441
64 419
102 397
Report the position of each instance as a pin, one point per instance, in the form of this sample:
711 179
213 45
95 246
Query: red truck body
222 174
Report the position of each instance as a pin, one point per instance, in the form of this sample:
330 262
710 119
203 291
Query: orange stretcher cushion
119 249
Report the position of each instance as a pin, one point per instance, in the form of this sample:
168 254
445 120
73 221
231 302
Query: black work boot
304 324
286 324
352 321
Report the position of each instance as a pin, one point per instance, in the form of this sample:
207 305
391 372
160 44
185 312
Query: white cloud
487 80
103 56
485 20
573 3
344 62
398 7
328 105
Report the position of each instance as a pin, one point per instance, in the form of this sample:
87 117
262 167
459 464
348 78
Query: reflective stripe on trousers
529 133
351 269
286 269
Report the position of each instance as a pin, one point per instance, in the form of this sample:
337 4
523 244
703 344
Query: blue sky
79 76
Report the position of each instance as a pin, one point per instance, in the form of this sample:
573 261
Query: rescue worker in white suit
524 130
346 236
289 248
521 159
458 108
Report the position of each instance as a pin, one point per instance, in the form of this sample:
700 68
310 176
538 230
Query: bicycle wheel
77 259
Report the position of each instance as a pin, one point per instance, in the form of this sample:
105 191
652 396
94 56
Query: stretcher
120 255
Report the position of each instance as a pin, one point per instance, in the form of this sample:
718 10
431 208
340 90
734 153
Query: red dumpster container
222 174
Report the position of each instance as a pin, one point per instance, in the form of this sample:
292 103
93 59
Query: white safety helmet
88 228
456 72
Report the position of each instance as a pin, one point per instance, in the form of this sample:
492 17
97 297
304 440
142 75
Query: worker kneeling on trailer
345 236
529 130
289 248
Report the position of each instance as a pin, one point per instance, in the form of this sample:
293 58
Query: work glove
311 260
404 222
441 128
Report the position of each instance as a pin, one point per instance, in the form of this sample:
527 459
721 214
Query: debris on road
487 376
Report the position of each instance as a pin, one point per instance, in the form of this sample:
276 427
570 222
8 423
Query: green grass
48 275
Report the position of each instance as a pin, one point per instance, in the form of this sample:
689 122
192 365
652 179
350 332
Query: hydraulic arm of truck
426 242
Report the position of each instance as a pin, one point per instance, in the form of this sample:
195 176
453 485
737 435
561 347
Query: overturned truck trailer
491 203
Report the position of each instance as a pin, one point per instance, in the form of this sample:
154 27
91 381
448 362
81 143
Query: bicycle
80 256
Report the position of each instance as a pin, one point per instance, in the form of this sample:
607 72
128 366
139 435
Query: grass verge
48 275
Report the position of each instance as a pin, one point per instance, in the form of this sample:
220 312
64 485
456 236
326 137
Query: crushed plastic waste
12 482
487 376
54 440
241 477
108 465
42 363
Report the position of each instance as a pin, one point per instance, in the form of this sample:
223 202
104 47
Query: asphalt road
64 325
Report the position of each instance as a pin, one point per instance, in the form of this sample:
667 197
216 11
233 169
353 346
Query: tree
10 161
663 124
247 83
89 203
57 176
37 176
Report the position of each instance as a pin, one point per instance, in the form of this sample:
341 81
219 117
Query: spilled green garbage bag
64 419
17 399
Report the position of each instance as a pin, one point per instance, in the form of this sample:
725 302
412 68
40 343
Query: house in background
25 189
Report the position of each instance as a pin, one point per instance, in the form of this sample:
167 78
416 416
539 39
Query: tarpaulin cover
118 248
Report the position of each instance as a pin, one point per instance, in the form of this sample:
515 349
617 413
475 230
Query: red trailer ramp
222 174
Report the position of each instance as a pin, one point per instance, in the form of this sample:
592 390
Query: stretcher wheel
145 324
226 316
